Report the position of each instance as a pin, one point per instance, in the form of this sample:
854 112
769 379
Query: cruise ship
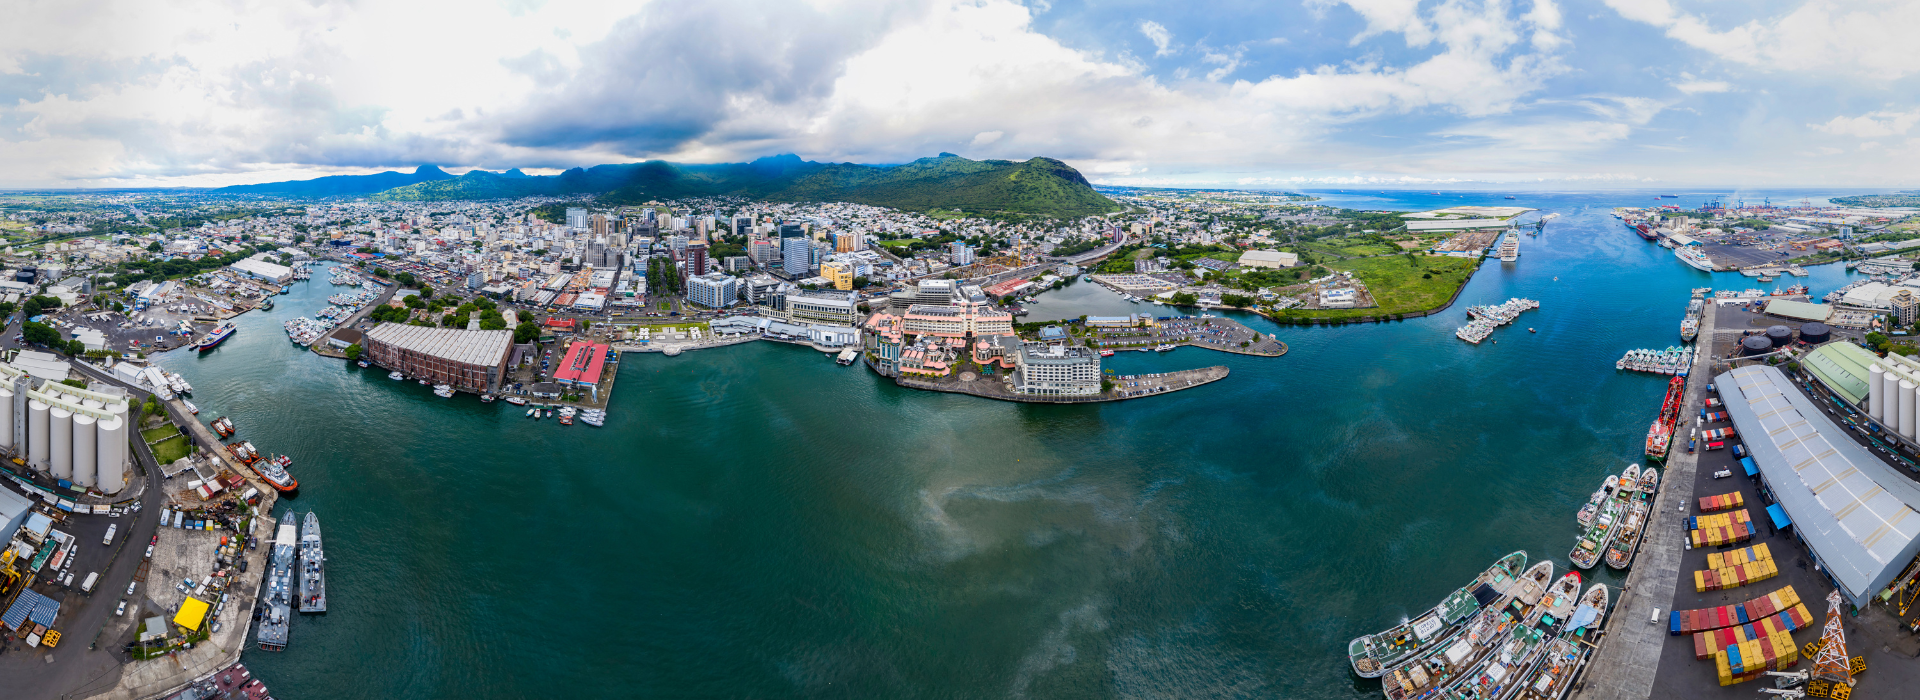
313 578
1510 249
1693 257
275 609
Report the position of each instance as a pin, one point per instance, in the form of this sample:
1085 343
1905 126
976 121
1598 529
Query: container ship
1660 435
313 578
216 336
274 610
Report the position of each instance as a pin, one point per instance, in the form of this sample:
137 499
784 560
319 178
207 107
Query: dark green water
760 522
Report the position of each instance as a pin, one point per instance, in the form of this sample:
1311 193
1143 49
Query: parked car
122 610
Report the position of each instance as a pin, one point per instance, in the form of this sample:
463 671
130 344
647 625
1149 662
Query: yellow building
840 272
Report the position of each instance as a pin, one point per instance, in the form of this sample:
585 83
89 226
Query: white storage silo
1876 396
1890 404
37 434
6 417
111 454
84 442
1906 407
60 442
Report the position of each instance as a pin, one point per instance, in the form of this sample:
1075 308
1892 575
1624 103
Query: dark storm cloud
674 71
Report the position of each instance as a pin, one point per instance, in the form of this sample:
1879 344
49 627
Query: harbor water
757 521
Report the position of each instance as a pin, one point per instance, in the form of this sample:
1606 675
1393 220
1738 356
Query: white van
108 540
87 587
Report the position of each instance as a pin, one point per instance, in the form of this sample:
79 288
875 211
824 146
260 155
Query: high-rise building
1906 307
696 258
576 218
742 225
600 226
845 241
959 253
714 291
796 252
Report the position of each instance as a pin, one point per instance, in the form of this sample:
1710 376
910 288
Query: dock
1144 385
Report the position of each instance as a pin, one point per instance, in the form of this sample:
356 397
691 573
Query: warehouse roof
1854 510
1801 310
1842 367
488 348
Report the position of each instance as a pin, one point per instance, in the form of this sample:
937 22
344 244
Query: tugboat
277 605
223 426
313 581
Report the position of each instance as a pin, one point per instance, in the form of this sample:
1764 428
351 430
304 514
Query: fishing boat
277 605
223 426
1549 678
1106 353
313 579
594 416
1660 434
515 400
218 335
533 413
1454 663
566 419
1372 654
267 304
1627 542
1592 508
1593 543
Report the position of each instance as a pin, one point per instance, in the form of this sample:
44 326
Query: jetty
1131 386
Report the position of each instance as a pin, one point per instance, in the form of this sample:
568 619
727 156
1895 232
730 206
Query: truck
111 529
87 587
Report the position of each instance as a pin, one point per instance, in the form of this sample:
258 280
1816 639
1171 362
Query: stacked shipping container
1710 642
1735 568
1689 621
1725 501
1719 529
1751 659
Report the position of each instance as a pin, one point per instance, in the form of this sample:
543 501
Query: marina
1485 319
1672 361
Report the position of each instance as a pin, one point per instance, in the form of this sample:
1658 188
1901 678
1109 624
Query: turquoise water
759 522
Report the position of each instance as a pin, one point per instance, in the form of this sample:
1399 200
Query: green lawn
160 432
170 450
1399 287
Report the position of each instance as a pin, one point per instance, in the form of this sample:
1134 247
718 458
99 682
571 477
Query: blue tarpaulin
1779 516
1747 462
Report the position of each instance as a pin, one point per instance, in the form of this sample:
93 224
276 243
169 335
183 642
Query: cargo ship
1373 654
313 581
277 606
1646 231
217 336
1627 541
1660 434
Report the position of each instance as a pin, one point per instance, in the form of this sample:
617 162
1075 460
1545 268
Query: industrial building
257 268
70 434
1851 509
474 361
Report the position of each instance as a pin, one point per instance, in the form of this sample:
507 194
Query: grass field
1399 287
171 449
153 434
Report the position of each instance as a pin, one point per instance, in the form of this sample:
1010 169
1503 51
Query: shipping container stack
1709 642
1720 529
1735 568
1717 433
1681 622
1752 659
1713 416
1725 501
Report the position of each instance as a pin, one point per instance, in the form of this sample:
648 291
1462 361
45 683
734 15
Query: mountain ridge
1039 186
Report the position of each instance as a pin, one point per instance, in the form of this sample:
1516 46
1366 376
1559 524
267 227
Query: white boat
396 375
515 400
1693 257
195 410
443 391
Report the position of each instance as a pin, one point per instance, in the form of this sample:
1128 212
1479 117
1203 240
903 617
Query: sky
1236 93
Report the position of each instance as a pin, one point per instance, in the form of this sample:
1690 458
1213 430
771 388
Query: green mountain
1039 187
342 185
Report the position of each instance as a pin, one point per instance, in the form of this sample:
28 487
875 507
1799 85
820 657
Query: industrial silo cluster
1755 345
72 434
1890 394
1815 333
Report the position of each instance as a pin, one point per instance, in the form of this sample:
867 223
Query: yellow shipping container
1760 552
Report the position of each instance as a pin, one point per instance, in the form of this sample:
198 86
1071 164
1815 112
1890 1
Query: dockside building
474 361
1852 510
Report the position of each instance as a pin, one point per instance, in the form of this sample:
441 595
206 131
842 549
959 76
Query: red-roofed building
582 366
565 324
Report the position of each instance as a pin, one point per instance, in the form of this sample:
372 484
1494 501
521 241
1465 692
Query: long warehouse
467 360
1852 510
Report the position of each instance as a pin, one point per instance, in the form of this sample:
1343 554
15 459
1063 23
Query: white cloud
987 137
1871 124
1859 39
1695 87
1158 34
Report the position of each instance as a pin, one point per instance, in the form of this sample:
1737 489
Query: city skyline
1319 94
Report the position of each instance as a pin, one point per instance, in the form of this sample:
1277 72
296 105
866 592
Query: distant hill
343 185
1039 187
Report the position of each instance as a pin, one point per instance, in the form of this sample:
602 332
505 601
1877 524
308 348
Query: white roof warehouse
1855 512
467 360
261 269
